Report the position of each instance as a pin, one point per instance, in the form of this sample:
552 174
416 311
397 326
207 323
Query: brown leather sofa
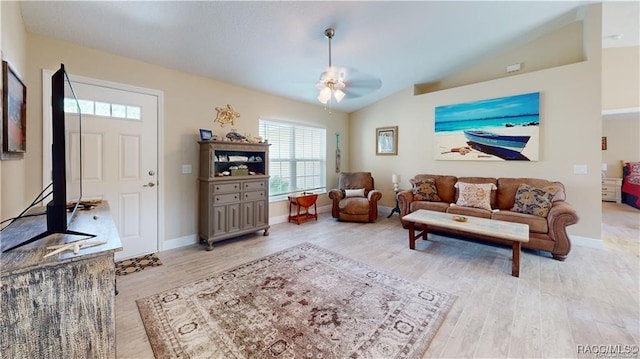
355 199
545 234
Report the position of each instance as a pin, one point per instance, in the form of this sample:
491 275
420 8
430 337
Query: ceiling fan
338 83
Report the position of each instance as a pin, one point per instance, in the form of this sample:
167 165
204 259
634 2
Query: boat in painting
512 143
504 146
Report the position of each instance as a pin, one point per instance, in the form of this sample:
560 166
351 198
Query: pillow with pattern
477 195
532 200
425 190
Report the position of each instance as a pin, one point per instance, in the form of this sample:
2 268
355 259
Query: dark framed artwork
604 143
14 115
205 135
387 141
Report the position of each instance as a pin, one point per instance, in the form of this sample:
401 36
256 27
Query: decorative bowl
460 218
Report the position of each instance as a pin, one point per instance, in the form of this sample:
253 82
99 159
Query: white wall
570 131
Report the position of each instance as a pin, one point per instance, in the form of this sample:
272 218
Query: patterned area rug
137 264
303 302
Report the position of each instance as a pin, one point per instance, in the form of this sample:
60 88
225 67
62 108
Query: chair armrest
374 196
336 195
561 215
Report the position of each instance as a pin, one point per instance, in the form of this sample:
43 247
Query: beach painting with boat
499 129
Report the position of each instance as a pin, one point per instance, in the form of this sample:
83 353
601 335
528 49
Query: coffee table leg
515 266
412 235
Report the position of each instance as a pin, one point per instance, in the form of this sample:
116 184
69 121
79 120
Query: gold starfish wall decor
226 115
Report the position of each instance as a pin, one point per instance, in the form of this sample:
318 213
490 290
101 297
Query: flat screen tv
59 213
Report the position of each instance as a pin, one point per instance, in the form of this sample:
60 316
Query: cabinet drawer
608 195
226 187
225 198
253 185
255 195
609 188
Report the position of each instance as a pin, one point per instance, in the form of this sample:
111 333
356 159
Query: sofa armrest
404 201
561 215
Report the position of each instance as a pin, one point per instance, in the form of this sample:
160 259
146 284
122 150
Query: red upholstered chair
355 199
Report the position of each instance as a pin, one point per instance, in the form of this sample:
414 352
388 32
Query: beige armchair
355 199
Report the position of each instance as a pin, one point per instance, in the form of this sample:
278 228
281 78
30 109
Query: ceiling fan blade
358 83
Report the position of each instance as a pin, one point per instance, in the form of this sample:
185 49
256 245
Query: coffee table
517 233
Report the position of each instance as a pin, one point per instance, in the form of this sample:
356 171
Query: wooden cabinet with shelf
234 190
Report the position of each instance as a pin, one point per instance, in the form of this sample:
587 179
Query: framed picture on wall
387 140
604 143
13 139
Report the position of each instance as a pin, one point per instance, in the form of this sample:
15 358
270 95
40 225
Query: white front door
120 160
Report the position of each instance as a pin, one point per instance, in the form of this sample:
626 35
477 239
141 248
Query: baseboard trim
179 242
586 242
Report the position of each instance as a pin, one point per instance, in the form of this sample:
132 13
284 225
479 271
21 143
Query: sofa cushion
425 190
536 224
507 188
354 192
430 206
444 184
354 205
477 195
532 200
469 211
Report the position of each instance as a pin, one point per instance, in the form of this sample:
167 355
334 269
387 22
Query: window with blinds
297 158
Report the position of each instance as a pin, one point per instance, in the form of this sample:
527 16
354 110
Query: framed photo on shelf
387 140
205 135
13 137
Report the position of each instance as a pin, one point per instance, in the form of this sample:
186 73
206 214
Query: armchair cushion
354 192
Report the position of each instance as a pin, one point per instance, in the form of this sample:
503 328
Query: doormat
303 302
137 264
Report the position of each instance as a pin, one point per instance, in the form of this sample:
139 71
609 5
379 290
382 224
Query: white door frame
46 134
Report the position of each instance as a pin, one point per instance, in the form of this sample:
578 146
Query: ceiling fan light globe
339 95
325 95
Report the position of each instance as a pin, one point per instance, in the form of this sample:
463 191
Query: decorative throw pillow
532 200
477 195
354 192
425 190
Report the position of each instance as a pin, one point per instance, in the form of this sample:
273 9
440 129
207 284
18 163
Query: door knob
150 184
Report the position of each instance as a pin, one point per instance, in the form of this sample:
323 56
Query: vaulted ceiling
280 47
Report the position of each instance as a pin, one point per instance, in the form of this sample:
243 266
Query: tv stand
53 227
60 297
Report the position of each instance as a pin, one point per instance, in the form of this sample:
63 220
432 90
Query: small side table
397 208
611 189
299 207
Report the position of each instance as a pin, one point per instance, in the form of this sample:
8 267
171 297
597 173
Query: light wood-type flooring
554 310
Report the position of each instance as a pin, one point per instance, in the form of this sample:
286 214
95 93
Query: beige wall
620 78
621 92
189 104
14 193
570 131
623 143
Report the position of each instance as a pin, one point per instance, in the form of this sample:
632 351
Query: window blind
297 157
